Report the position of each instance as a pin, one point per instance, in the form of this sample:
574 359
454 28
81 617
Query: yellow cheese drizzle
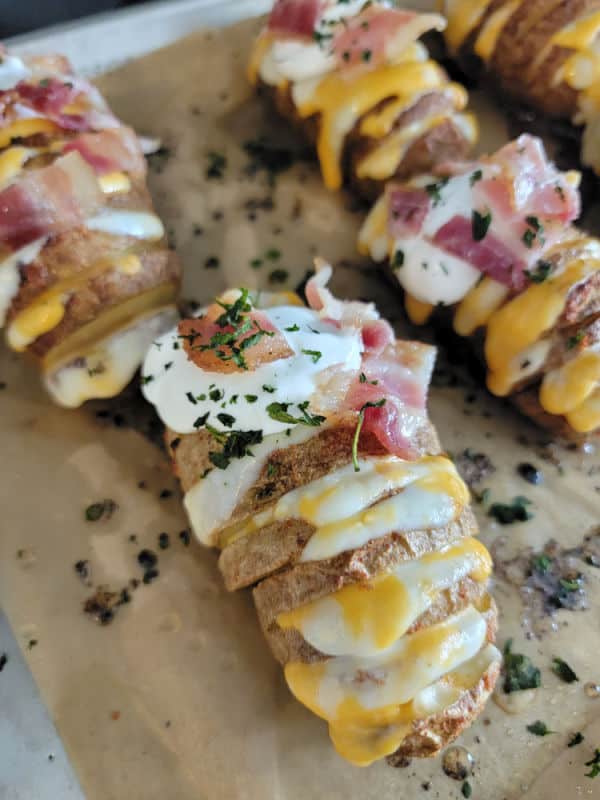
48 309
363 735
463 17
25 127
386 604
418 312
486 41
525 319
515 326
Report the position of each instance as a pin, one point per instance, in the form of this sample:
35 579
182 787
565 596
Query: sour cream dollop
183 393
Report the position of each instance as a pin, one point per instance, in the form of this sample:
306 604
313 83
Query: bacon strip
490 255
407 210
197 333
48 201
296 17
110 151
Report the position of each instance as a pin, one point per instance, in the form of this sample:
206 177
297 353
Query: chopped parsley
594 763
226 419
146 379
269 389
236 444
541 563
359 424
279 412
273 254
480 224
533 232
292 328
466 790
191 398
475 176
200 422
216 395
321 37
250 398
519 671
541 271
563 671
539 728
278 276
216 165
576 339
316 355
96 511
255 263
363 379
272 470
434 190
235 315
575 739
398 260
507 513
366 55
212 262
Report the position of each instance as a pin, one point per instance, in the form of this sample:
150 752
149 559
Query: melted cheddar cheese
522 321
114 183
344 101
370 703
586 417
349 508
486 41
418 312
366 618
47 310
463 17
25 127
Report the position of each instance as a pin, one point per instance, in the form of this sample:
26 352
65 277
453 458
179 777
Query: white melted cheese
141 224
106 369
365 621
430 494
12 70
212 500
431 275
10 277
413 663
293 380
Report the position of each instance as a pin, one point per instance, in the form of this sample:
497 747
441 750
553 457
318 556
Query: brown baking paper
179 697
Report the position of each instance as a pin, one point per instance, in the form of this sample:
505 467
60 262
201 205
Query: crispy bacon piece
490 255
110 150
395 371
202 337
295 17
378 34
48 201
407 210
400 375
72 104
537 186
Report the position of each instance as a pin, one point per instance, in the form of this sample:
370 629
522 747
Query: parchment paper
179 697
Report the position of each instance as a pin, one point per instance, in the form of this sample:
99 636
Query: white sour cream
12 70
170 378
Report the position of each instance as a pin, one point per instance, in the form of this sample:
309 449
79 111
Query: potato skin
437 145
527 32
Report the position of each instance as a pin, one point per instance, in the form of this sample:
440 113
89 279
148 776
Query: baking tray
178 696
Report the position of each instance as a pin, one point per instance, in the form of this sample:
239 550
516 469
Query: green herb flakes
539 728
359 424
508 513
480 224
519 671
280 413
